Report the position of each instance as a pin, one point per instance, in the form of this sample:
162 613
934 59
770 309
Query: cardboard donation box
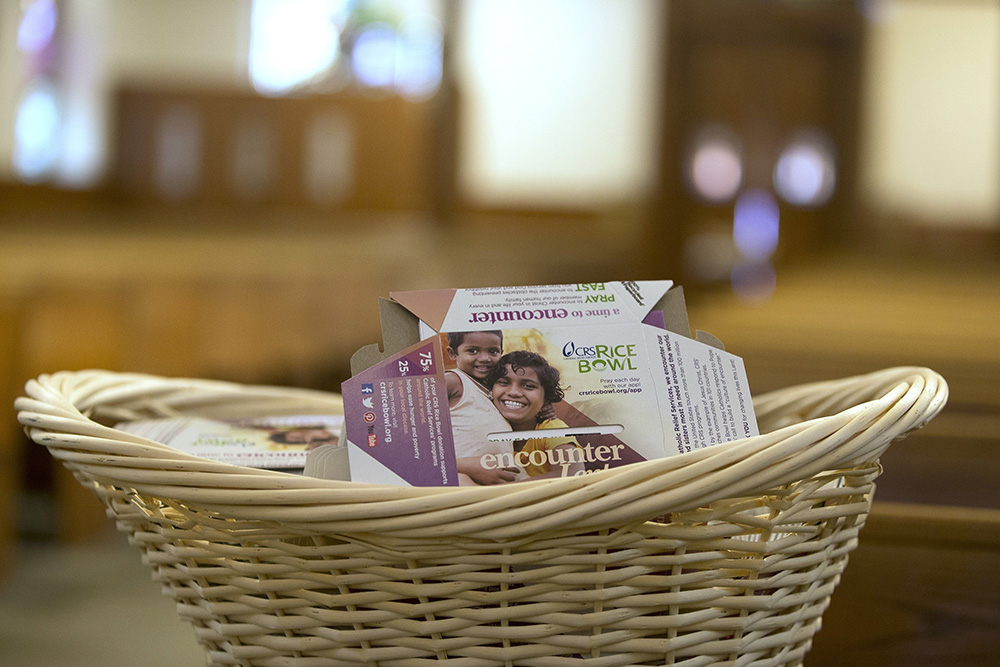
505 384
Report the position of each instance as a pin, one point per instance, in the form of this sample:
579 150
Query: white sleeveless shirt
473 418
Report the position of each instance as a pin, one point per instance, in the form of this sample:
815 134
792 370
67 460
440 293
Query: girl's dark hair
547 375
455 338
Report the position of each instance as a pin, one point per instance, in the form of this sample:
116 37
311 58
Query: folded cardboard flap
401 328
708 339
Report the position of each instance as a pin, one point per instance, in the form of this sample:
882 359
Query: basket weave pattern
727 555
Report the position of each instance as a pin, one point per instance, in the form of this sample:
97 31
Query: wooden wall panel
380 153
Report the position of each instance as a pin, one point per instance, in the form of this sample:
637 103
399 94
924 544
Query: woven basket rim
869 412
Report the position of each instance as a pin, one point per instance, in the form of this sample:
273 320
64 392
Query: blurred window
292 42
252 168
178 153
329 158
419 56
322 45
39 117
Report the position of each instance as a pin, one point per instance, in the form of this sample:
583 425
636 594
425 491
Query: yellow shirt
545 445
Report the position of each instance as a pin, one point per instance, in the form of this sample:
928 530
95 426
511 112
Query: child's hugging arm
547 413
472 467
453 384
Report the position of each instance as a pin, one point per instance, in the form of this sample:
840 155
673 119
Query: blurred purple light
37 131
755 224
806 172
715 166
38 26
753 281
419 58
374 56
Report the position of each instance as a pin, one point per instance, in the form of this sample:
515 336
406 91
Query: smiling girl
523 384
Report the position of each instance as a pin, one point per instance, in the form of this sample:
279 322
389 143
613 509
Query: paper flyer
398 425
517 383
277 443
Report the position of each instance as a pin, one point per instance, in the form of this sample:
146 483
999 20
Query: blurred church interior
224 189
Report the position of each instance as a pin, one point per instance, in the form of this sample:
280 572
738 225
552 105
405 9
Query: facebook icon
367 388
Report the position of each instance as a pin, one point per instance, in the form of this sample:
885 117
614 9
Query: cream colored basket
724 556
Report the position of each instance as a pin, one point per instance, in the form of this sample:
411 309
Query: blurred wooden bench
851 316
280 308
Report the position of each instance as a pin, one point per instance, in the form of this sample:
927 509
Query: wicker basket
727 555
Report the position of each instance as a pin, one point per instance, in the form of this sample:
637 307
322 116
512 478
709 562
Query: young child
473 414
524 388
